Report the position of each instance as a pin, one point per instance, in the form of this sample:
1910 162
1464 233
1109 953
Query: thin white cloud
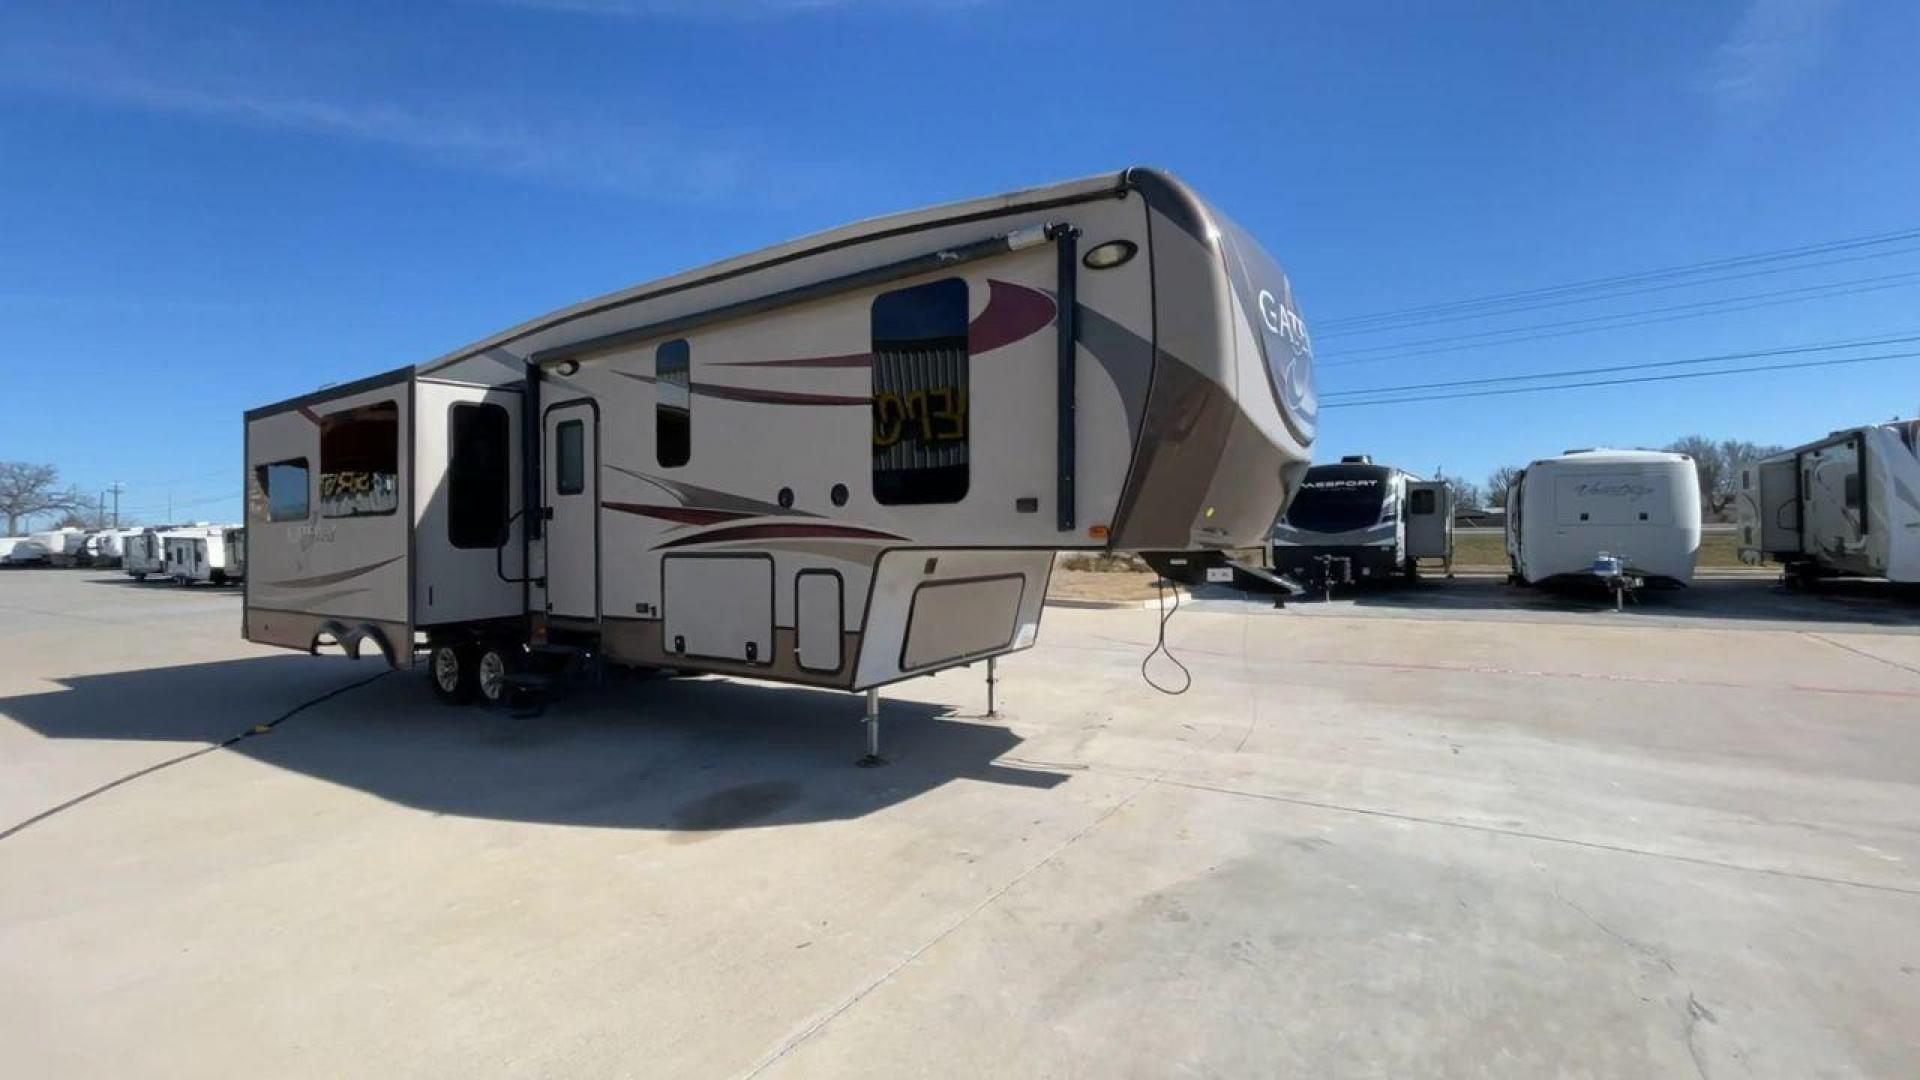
731 9
586 149
1775 44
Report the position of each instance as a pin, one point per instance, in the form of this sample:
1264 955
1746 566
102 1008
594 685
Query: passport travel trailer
1639 506
842 461
1357 521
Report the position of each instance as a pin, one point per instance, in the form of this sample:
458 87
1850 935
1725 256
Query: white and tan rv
843 461
1848 504
143 554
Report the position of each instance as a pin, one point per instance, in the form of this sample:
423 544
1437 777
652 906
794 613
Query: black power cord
257 729
1160 646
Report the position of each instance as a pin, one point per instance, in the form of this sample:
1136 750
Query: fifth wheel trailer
1845 504
842 461
1357 521
1639 506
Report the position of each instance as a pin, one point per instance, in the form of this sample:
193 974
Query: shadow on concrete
689 755
1749 599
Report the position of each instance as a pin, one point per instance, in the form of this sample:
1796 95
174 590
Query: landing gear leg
990 681
873 732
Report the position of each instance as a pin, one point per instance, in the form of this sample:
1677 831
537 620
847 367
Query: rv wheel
451 668
490 674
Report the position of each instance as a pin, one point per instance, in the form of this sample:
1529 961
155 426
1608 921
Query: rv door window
478 471
1423 501
360 461
570 453
284 483
673 408
920 422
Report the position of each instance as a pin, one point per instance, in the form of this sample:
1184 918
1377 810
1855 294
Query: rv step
1260 579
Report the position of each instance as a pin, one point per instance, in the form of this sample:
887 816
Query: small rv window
920 422
479 464
360 461
673 408
1423 501
284 483
570 453
1851 491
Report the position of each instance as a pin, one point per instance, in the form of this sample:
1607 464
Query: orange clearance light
1097 532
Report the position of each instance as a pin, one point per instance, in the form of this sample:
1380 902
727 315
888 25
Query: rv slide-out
1848 504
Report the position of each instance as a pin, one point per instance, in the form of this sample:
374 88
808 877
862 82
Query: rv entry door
571 471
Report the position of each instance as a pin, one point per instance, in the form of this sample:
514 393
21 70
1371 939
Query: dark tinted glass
673 413
285 485
1338 498
360 461
479 468
570 468
920 420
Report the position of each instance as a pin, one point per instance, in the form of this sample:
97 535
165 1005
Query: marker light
1109 255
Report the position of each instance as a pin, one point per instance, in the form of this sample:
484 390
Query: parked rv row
1845 505
188 554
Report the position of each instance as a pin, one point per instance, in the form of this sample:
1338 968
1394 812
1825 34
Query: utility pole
116 487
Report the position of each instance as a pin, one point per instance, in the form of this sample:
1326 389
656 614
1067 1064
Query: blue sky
206 207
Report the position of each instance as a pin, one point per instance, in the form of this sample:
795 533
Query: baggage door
1429 520
571 470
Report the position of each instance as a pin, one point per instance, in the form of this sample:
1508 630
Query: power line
1799 290
1620 382
1755 303
1615 295
1662 273
1825 346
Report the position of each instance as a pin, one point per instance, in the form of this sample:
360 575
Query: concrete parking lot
1458 831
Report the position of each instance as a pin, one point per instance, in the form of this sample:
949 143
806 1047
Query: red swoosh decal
685 515
780 531
1013 313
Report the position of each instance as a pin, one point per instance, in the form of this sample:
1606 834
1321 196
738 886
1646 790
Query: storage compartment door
952 620
817 617
718 607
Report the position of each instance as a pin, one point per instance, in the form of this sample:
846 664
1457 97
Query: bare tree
1466 494
28 491
1498 481
1717 466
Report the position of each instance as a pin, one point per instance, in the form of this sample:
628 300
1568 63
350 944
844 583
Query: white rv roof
1603 456
1064 190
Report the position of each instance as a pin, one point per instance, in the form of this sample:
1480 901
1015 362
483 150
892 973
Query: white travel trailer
1846 504
142 553
210 553
22 551
842 461
1641 507
1357 521
64 546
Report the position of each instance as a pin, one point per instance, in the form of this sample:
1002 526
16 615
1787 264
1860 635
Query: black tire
140 576
450 668
492 664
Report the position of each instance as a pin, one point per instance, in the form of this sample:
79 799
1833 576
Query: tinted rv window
673 411
284 483
1423 501
920 422
1339 498
479 460
360 461
570 450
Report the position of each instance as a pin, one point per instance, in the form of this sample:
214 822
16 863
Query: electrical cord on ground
1160 646
257 729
